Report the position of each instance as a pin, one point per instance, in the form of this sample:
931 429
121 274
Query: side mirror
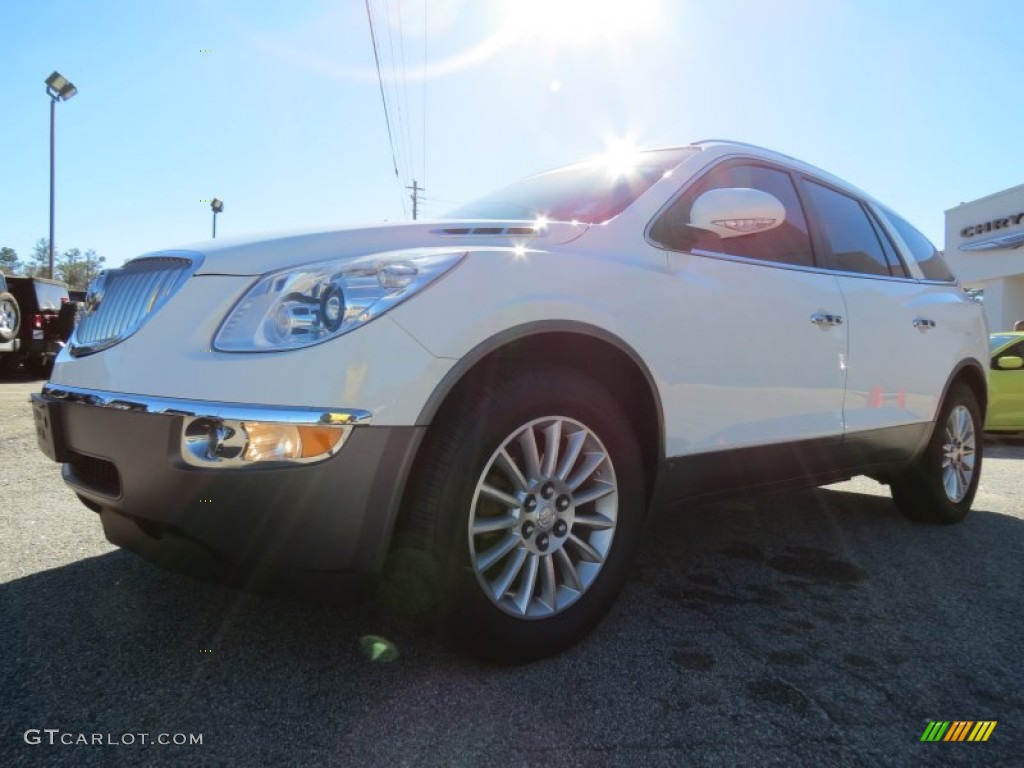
736 211
1010 363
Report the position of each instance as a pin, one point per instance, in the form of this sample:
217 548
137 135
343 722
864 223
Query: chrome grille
129 296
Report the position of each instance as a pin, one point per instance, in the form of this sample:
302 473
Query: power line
396 81
432 199
404 149
405 89
424 93
383 100
396 105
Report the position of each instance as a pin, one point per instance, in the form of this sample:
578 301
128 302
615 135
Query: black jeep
42 330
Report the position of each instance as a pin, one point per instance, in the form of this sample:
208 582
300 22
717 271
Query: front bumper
122 456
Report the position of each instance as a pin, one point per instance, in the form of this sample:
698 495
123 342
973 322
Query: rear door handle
923 323
825 320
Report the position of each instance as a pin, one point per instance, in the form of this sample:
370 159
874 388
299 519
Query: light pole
58 88
216 206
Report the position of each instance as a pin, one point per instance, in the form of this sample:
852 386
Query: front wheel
939 486
526 505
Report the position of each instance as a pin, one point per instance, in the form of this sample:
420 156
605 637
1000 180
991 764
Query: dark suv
40 301
10 322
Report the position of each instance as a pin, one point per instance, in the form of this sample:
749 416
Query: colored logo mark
958 730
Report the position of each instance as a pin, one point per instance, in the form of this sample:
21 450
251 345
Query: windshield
997 340
590 192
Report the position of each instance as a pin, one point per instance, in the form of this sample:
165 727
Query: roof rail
747 144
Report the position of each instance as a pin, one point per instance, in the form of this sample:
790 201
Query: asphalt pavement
813 628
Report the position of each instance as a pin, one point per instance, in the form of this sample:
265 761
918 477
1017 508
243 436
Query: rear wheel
522 515
939 486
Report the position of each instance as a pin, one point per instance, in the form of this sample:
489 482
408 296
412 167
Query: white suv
484 408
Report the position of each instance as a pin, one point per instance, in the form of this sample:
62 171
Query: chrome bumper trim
207 409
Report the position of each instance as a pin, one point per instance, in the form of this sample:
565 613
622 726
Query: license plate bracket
49 432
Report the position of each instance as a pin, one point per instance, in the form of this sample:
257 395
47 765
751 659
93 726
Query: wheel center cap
546 518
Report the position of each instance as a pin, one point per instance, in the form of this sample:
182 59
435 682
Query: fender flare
469 360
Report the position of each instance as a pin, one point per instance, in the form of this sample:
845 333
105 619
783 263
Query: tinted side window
896 265
853 245
921 249
787 243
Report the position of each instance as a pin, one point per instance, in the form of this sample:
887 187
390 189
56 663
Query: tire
516 558
10 317
939 486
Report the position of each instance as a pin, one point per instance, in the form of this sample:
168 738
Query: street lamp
58 88
216 206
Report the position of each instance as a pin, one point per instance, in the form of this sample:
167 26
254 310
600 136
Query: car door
1006 392
755 340
900 329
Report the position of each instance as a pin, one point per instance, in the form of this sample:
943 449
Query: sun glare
620 158
581 21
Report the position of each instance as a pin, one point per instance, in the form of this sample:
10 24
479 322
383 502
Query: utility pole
416 189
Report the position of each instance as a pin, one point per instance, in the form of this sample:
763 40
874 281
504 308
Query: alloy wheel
958 454
8 315
543 517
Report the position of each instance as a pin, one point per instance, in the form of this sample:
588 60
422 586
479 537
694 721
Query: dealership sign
1002 240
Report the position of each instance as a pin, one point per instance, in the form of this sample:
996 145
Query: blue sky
916 102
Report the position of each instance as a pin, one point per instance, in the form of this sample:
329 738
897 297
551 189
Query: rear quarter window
921 249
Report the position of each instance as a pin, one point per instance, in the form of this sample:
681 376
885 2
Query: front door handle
826 320
923 323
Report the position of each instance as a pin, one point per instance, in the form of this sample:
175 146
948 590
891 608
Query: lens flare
581 22
378 649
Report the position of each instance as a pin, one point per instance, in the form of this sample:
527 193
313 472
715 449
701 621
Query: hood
257 255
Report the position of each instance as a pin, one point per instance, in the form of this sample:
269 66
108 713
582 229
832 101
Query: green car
1006 383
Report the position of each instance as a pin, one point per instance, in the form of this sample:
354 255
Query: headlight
306 305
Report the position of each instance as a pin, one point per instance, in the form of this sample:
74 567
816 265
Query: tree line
72 266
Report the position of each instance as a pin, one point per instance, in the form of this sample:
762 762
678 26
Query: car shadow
821 613
841 606
1004 446
21 374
